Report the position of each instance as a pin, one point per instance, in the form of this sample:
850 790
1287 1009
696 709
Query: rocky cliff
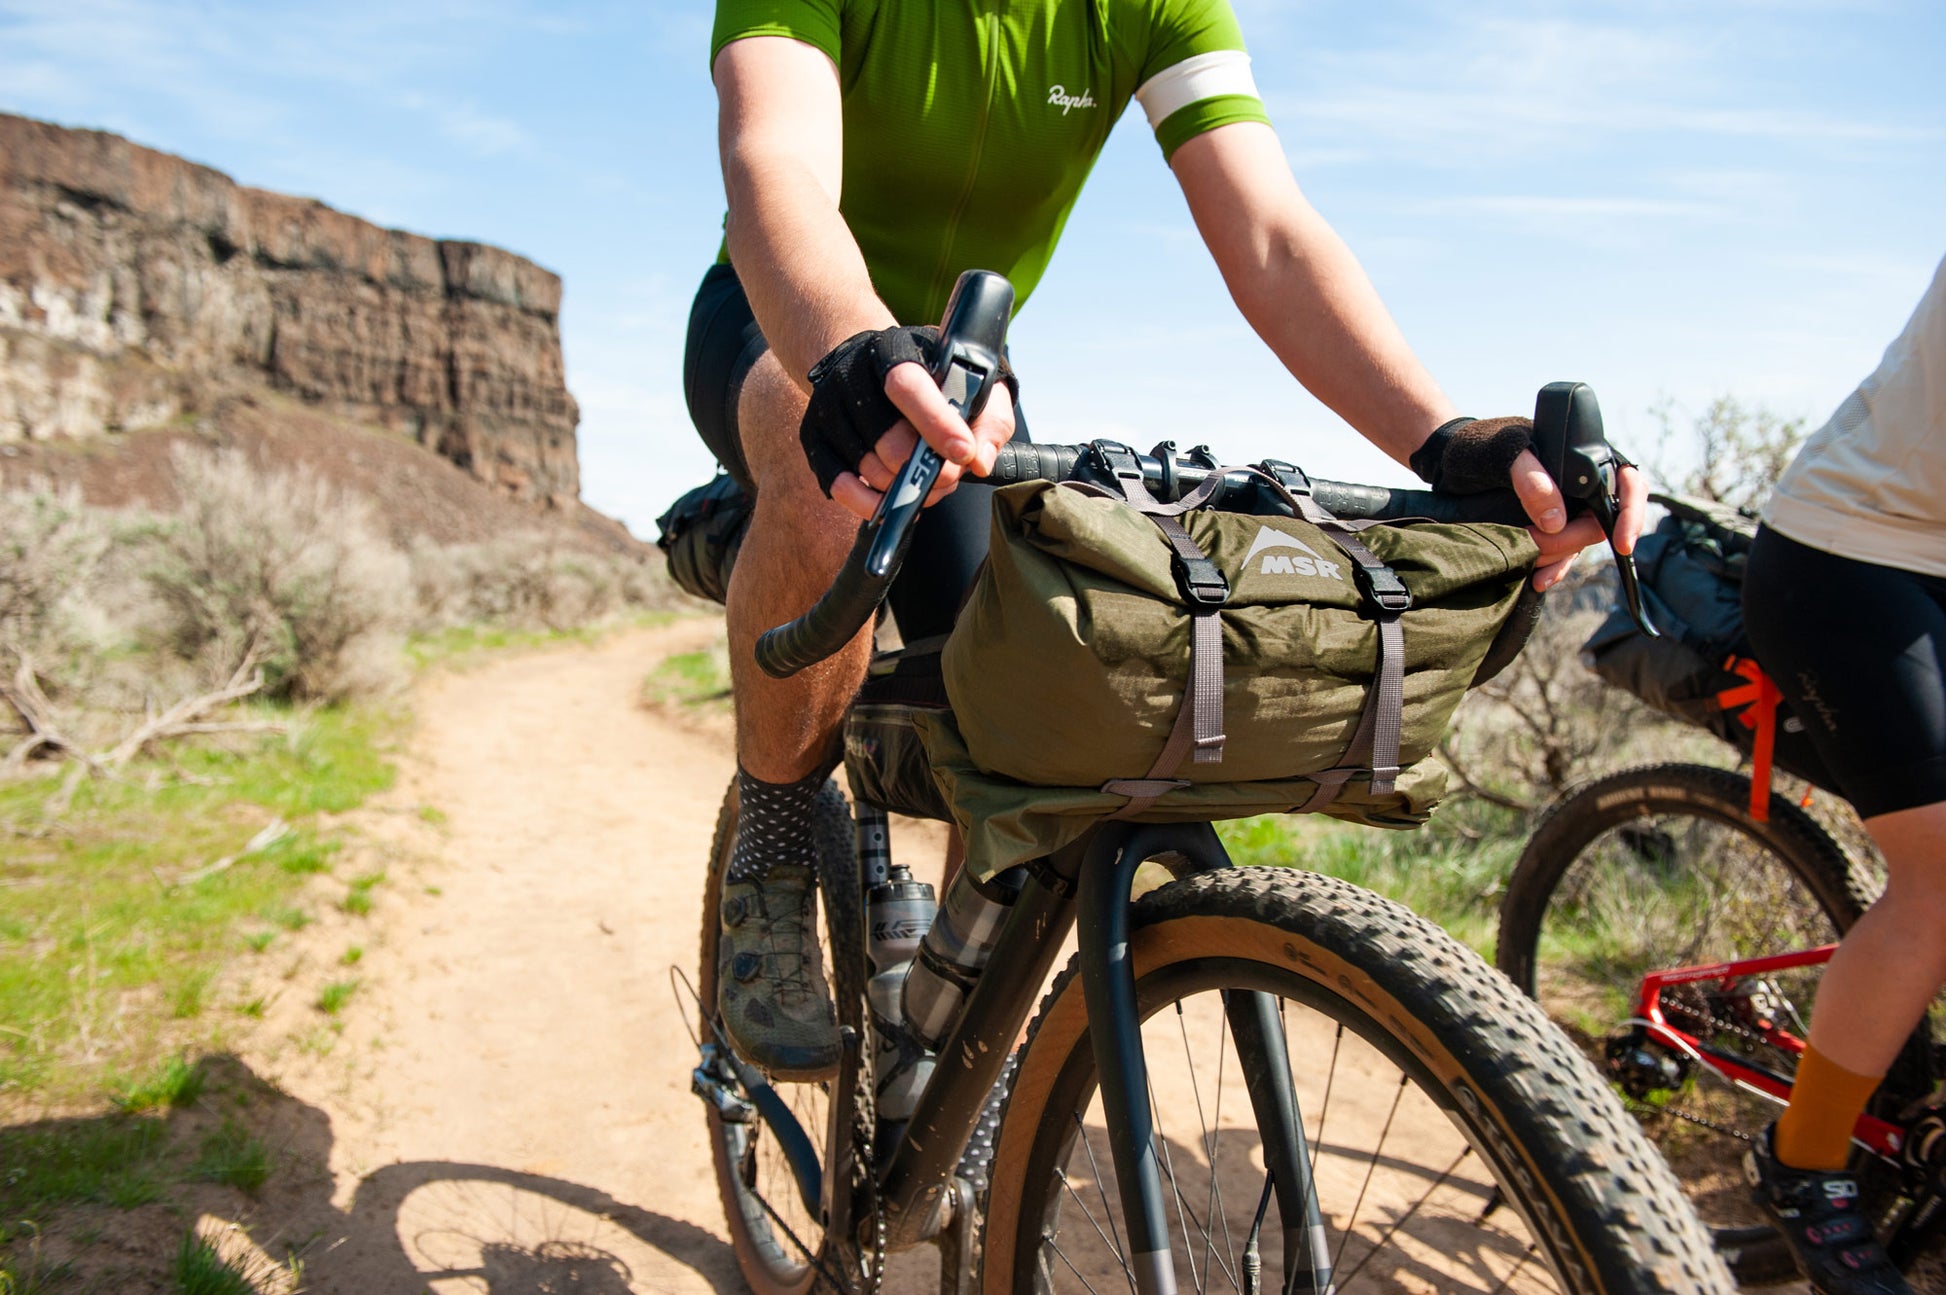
136 288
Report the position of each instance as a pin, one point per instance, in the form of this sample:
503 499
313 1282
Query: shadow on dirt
103 1202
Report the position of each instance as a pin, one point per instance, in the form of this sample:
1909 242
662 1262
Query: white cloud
480 133
1466 86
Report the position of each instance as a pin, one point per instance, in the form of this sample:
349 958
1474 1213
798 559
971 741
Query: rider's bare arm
780 132
1307 297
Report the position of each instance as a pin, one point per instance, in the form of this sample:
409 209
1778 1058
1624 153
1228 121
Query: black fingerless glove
1469 456
849 409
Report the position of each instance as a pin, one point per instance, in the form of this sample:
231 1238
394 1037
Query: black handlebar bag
1123 658
1692 581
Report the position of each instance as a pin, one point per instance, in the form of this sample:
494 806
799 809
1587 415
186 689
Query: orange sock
1814 1132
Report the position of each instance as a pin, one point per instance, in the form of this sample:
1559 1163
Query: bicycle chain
1715 1025
1645 1108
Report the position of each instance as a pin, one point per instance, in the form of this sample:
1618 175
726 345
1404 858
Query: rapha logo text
1307 561
1058 96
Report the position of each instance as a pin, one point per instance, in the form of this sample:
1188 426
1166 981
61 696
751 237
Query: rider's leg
775 1005
1860 651
1875 991
786 728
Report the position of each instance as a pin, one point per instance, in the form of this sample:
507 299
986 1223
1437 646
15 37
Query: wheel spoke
1101 1190
1406 1217
1526 1257
1168 1164
1371 1167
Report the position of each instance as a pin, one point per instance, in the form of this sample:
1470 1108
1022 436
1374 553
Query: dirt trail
515 1066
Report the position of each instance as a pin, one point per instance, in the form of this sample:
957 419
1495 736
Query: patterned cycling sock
773 825
1814 1132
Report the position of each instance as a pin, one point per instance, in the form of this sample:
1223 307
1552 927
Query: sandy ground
508 1107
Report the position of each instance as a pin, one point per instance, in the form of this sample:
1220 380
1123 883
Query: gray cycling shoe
1820 1216
770 988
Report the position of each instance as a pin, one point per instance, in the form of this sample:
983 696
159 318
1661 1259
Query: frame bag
701 535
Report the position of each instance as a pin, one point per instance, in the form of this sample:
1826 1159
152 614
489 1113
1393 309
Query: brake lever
1587 468
971 335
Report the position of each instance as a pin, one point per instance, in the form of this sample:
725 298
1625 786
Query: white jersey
1871 483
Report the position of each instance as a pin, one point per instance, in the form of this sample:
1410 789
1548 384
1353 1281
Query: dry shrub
529 579
1547 721
277 566
51 546
54 566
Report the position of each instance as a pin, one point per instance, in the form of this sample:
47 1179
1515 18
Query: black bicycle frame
1088 884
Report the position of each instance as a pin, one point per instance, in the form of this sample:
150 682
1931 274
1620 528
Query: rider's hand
1559 542
1470 456
871 401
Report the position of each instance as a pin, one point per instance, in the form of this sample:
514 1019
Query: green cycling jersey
970 125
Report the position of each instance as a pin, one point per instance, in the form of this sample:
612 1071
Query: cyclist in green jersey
871 151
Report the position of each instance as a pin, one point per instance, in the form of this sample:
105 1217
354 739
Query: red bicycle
1674 918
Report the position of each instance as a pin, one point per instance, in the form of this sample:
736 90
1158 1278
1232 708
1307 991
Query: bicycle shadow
405 1227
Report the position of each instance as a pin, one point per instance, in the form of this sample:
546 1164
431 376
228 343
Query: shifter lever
1587 468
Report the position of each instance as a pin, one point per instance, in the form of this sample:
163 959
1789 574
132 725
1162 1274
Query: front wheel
1457 1142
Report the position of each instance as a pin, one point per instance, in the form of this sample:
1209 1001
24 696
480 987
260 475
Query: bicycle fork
1108 987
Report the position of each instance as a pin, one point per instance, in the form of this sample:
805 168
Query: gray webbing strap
1375 743
1197 733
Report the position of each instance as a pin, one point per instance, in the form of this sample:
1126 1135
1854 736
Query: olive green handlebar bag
1085 681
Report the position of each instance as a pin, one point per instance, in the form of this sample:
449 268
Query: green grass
351 957
1451 872
333 997
107 958
188 995
24 1272
358 898
117 1160
174 1083
691 679
200 1270
233 1156
462 645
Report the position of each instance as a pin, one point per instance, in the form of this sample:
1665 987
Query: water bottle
898 912
955 951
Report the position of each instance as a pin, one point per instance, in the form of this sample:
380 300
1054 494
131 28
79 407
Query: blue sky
1669 199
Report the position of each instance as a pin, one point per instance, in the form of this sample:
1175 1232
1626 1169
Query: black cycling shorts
1860 651
950 541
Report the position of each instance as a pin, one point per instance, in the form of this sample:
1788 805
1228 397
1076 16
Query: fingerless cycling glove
1469 455
849 409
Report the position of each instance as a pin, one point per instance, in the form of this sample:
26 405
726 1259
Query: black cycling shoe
1818 1212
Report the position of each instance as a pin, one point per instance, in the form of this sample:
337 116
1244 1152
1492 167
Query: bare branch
183 717
23 693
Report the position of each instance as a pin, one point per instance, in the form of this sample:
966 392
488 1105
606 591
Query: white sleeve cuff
1204 76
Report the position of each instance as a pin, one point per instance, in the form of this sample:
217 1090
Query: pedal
709 1082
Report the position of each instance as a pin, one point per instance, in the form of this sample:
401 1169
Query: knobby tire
1535 1178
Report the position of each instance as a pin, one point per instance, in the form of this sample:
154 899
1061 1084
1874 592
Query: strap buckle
1383 586
1201 581
1121 463
1288 475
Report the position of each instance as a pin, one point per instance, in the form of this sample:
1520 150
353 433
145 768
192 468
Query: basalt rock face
136 287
